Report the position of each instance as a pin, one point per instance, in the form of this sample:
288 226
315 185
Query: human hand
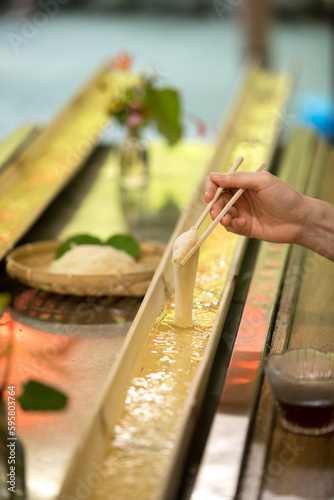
269 209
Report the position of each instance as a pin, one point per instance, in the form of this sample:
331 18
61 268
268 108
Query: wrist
306 227
317 229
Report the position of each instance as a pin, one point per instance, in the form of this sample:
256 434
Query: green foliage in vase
147 102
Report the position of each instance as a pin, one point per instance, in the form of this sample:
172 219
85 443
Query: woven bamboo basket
29 264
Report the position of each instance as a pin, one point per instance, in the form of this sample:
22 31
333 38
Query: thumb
245 180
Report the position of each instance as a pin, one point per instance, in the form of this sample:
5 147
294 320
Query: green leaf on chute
40 397
164 107
79 239
125 242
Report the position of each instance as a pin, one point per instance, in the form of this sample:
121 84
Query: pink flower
134 120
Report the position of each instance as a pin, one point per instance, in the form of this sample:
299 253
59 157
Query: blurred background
49 48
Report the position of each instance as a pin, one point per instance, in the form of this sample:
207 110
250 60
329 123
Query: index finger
245 180
210 189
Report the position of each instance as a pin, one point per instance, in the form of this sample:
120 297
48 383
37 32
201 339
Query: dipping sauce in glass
317 418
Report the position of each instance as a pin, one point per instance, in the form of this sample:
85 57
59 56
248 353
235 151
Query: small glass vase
134 179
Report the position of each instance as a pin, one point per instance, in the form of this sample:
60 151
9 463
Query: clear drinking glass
302 383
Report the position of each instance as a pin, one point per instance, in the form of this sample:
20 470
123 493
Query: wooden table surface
303 466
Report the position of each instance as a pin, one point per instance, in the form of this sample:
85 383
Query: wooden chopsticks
219 216
219 191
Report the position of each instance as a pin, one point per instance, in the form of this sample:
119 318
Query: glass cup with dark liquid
302 383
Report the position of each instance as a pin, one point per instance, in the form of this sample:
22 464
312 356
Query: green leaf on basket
165 110
125 242
40 397
79 239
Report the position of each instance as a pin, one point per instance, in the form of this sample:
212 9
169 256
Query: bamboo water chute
143 422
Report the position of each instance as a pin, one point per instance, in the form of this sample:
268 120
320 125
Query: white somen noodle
93 259
185 278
